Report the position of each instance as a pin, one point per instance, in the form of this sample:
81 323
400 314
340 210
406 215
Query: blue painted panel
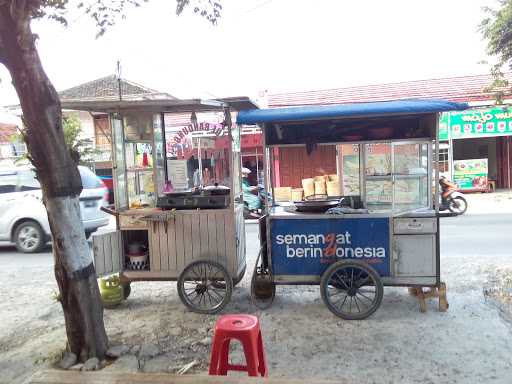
381 108
308 247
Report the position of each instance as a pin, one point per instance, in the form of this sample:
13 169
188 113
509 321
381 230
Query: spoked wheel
351 290
205 286
458 205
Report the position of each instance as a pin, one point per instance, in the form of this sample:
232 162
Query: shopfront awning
341 111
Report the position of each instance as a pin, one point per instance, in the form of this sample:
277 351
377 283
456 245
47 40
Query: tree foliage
81 149
496 29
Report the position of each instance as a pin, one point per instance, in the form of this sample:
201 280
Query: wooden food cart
178 199
371 223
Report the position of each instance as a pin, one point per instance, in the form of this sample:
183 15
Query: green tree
55 167
496 29
81 149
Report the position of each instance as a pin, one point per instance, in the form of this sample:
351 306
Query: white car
23 217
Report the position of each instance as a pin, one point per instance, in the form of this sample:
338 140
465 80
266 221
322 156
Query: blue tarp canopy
340 111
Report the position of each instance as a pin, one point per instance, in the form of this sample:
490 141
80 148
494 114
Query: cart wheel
205 286
127 289
239 278
351 290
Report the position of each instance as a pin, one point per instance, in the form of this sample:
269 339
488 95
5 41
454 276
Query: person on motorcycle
451 198
251 199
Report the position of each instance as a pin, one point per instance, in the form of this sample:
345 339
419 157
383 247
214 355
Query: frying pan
316 203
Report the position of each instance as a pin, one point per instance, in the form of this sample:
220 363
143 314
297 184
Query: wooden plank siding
180 243
295 164
190 236
154 247
107 250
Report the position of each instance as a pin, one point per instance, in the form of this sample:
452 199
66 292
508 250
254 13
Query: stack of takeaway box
319 186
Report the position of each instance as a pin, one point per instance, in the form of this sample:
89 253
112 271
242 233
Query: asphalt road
480 235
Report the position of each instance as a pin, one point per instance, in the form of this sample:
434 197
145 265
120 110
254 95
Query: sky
273 45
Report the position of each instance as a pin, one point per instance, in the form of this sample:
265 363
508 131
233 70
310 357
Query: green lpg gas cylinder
111 291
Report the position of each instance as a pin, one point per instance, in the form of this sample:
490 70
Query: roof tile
106 87
460 89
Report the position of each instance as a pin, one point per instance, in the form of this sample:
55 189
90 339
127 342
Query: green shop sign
488 122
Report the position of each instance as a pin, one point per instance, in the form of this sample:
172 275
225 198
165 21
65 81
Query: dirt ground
468 344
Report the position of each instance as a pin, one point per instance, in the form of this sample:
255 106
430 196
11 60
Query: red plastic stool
246 329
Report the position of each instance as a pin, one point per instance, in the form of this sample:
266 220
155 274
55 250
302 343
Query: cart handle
110 211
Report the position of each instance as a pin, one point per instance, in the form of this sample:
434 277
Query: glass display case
135 159
397 176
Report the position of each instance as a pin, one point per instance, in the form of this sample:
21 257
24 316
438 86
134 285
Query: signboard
177 174
308 247
470 174
487 122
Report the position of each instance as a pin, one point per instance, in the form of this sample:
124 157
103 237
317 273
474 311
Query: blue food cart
357 208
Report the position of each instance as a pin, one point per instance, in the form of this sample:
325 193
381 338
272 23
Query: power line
256 7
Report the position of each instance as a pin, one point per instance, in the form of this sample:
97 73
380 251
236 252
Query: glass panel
411 188
119 171
378 159
379 195
411 193
138 126
159 155
139 156
8 181
378 185
350 169
411 159
28 182
197 155
237 161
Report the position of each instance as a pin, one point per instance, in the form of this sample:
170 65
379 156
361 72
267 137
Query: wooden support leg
421 298
435 292
443 301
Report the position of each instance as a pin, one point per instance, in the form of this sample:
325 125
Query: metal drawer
413 225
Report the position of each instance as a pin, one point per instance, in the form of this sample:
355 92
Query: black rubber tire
239 278
37 231
127 289
354 264
201 266
460 201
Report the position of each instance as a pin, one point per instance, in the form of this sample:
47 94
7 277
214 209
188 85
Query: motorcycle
451 198
250 210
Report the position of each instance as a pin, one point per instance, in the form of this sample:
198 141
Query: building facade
476 145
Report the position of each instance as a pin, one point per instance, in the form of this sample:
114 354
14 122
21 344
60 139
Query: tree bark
59 178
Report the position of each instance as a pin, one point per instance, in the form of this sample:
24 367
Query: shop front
476 148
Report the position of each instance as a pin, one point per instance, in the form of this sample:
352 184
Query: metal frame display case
391 238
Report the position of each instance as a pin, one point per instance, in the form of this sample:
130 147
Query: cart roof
160 105
340 111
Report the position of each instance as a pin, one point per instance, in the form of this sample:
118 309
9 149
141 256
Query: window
444 165
27 181
8 182
19 149
89 179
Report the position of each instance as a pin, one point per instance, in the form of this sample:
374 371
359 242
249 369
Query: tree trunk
60 183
